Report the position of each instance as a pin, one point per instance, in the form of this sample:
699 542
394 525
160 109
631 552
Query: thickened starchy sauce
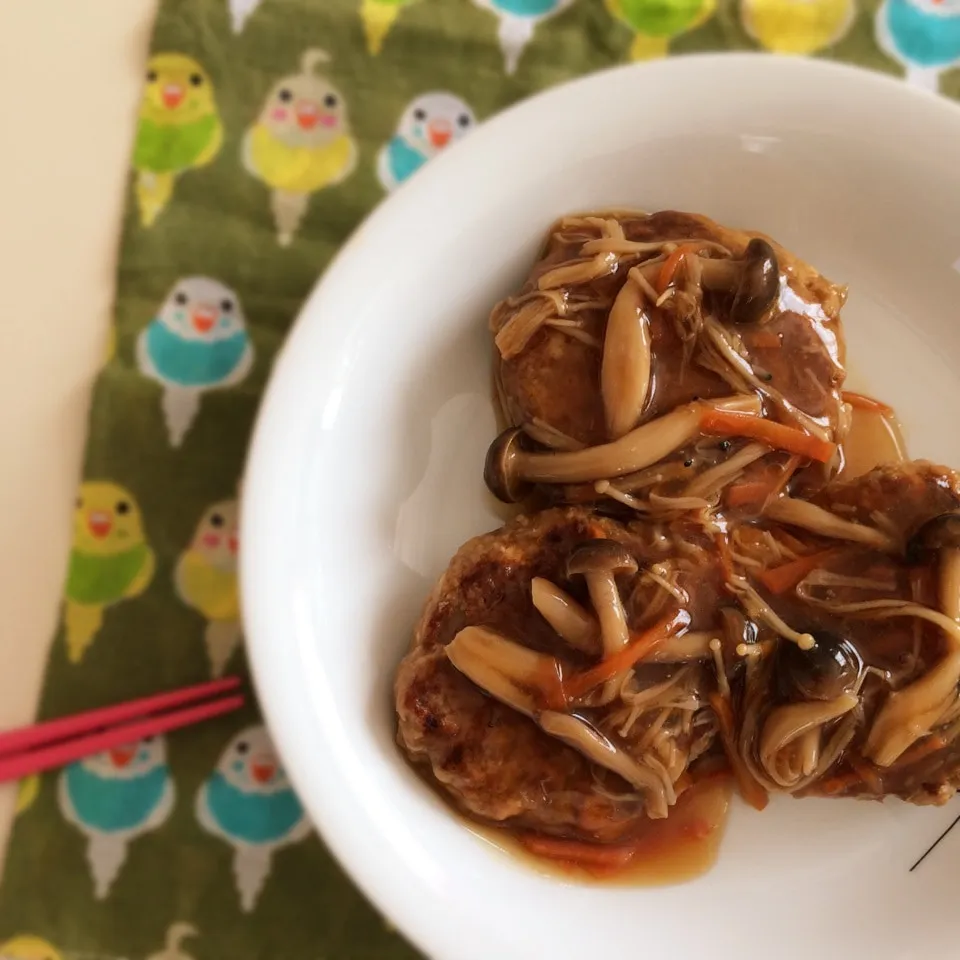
718 571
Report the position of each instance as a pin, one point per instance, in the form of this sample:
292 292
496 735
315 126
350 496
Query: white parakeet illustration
206 579
518 20
114 797
429 124
922 35
197 342
249 803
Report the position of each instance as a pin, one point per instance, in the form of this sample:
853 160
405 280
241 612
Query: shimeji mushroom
598 562
754 280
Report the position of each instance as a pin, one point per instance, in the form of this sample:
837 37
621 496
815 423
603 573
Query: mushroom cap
937 532
759 283
601 556
501 470
827 670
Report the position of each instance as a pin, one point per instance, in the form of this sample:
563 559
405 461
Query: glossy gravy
670 851
874 438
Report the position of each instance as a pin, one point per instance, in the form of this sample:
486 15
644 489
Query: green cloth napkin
268 129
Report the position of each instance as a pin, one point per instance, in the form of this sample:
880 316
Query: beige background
69 83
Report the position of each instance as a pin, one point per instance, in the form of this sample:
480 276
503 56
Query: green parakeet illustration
110 560
179 129
656 22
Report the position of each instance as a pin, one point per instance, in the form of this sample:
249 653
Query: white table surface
70 74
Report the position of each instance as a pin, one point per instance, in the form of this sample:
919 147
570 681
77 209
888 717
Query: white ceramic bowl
365 477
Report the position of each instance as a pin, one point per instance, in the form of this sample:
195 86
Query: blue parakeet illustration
114 797
249 803
197 342
429 124
922 35
518 20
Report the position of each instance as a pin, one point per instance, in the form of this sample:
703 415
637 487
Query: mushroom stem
574 624
614 633
625 370
799 513
596 747
950 582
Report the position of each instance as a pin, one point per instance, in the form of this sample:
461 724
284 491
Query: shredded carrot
789 469
749 491
862 402
596 855
750 790
672 264
730 423
924 748
869 774
550 686
581 683
839 783
726 559
788 575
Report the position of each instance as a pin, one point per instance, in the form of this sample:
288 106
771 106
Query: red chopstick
58 742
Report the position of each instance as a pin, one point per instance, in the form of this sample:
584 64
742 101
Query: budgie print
518 20
429 124
179 129
197 342
241 11
656 22
114 797
249 803
797 26
177 933
378 17
300 143
206 579
922 35
27 792
27 947
110 560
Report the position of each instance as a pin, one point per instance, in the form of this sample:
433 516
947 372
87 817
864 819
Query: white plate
365 477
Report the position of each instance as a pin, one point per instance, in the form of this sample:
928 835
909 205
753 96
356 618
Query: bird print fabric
429 124
922 35
378 17
248 802
114 797
300 143
656 22
797 26
206 580
28 947
517 21
179 129
197 342
110 560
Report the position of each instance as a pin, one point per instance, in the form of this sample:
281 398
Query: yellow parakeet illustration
378 17
27 792
179 129
206 579
300 143
797 26
656 22
26 947
110 560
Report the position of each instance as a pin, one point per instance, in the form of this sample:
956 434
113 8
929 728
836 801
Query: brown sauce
675 850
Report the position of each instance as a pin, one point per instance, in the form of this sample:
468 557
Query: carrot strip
839 783
862 402
750 491
789 469
788 575
924 748
729 423
726 558
577 852
672 263
750 790
581 683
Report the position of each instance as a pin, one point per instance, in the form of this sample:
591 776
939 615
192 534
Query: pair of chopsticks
55 743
